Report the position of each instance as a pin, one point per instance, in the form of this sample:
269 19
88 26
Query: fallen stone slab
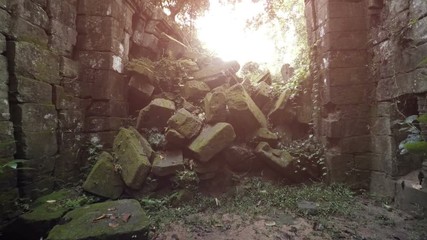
244 114
103 180
278 113
174 139
168 163
215 107
265 135
156 114
123 219
133 162
146 147
212 140
262 95
278 159
143 88
185 123
195 90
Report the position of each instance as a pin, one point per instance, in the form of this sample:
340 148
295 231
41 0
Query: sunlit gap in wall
223 30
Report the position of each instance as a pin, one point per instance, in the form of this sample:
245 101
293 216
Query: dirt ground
371 220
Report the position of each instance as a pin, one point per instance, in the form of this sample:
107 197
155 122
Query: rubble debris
174 139
212 140
195 90
133 161
156 114
167 163
245 116
215 107
185 123
104 180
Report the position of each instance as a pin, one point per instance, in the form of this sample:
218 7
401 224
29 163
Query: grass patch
252 198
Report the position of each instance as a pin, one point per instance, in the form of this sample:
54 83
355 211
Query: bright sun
223 30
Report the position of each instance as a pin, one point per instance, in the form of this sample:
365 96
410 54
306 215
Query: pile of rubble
201 117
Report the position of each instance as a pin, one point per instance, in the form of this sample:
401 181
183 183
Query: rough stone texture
132 159
212 140
278 159
174 139
25 90
168 163
35 62
245 116
103 180
136 227
195 89
185 123
156 114
215 107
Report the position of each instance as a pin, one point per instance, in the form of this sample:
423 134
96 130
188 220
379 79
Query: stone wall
63 88
342 91
368 72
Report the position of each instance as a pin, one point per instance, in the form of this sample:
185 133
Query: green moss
422 118
416 147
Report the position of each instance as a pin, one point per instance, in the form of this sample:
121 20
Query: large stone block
346 76
71 120
211 141
134 162
26 90
103 85
156 114
34 117
339 166
103 180
411 58
2 45
195 90
62 38
103 124
4 105
168 163
7 140
32 61
34 145
185 123
215 107
407 83
355 94
345 58
101 61
344 9
344 41
103 139
5 20
112 8
23 30
358 144
357 23
108 109
100 26
245 116
345 127
69 68
4 74
417 9
64 12
30 11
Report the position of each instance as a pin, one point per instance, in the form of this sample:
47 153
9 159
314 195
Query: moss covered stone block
195 90
156 114
103 180
82 223
245 116
168 163
212 140
185 123
131 158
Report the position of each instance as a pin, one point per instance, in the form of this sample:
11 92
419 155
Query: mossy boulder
195 90
126 220
103 180
133 161
156 114
244 114
46 212
212 140
185 123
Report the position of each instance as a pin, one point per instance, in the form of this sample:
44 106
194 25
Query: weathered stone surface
64 12
5 20
136 227
265 135
146 147
62 38
112 8
215 107
102 124
101 61
217 70
34 62
185 123
195 90
140 28
109 85
7 140
212 140
71 120
245 116
168 163
33 145
156 114
25 90
69 68
103 180
280 105
132 159
174 139
35 117
23 30
150 41
108 108
2 44
8 208
262 95
145 89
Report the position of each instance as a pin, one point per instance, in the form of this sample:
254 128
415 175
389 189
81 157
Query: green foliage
418 147
14 164
183 11
414 142
186 179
